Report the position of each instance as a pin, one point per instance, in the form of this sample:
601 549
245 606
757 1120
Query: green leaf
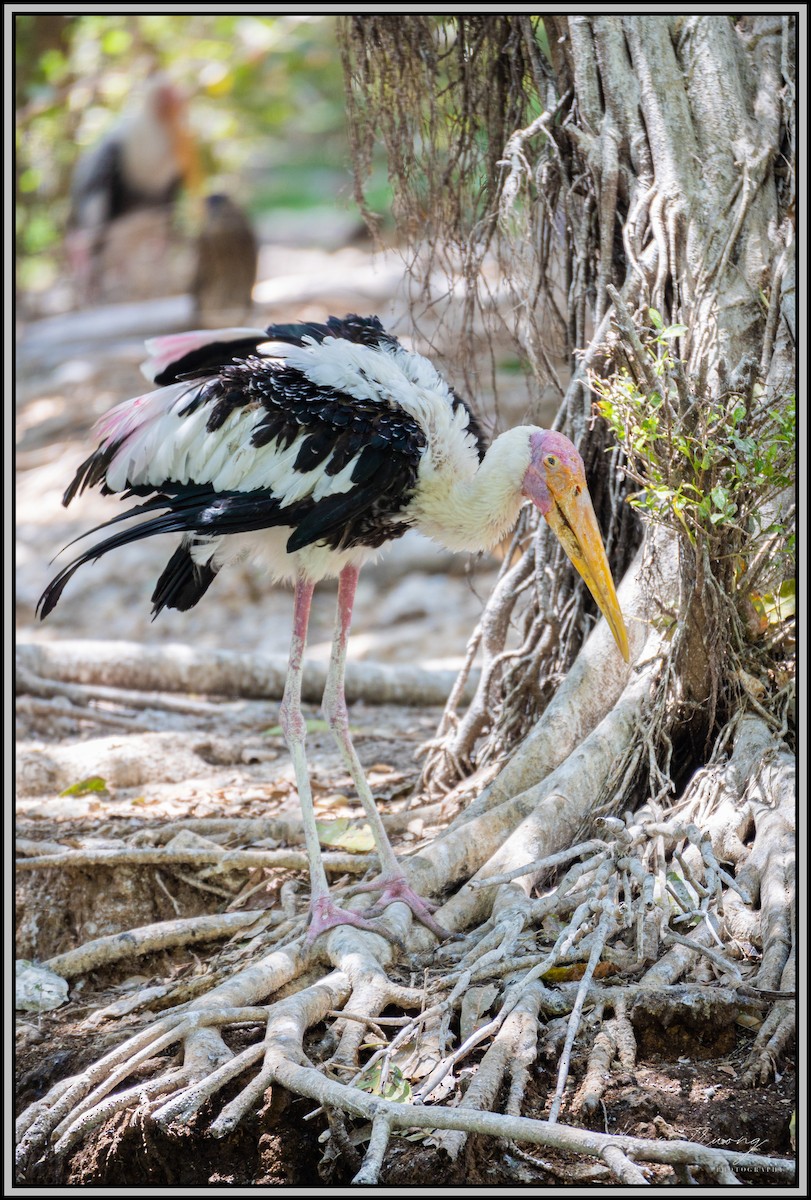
342 834
744 445
93 783
655 318
673 331
776 608
396 1087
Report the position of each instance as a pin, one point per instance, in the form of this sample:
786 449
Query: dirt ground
417 605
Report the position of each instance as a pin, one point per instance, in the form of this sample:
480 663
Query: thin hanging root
549 816
588 693
443 767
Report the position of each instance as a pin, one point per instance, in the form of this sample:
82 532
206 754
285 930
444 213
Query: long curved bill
572 520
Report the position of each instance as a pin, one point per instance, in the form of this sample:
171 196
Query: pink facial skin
567 462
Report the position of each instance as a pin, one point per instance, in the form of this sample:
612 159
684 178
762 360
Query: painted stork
309 447
143 161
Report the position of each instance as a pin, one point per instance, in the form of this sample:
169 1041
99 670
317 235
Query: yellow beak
572 519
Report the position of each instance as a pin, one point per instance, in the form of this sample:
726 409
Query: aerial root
614 1041
547 817
586 695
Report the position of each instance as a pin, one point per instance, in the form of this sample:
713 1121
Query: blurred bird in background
226 256
124 190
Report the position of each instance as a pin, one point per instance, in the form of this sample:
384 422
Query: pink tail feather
171 348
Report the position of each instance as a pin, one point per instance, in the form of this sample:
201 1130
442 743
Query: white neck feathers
474 511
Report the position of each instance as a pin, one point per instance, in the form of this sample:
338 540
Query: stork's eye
550 460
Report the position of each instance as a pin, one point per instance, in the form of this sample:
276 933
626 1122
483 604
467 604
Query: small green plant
714 465
389 1084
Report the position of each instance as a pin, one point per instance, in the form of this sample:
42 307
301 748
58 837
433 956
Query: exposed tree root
639 875
147 940
334 861
549 902
577 706
177 668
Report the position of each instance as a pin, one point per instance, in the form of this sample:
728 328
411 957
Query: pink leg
324 913
392 883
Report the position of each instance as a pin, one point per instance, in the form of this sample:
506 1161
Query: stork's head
555 482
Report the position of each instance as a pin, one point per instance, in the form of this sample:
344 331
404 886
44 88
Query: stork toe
326 914
396 888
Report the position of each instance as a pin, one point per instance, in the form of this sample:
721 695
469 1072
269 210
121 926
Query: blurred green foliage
266 102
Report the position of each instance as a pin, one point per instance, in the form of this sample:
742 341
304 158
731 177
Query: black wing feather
385 442
182 582
366 331
208 359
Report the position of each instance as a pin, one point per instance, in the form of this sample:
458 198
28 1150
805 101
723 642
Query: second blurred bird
225 266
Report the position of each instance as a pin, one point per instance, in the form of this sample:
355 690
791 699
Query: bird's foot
394 888
325 914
